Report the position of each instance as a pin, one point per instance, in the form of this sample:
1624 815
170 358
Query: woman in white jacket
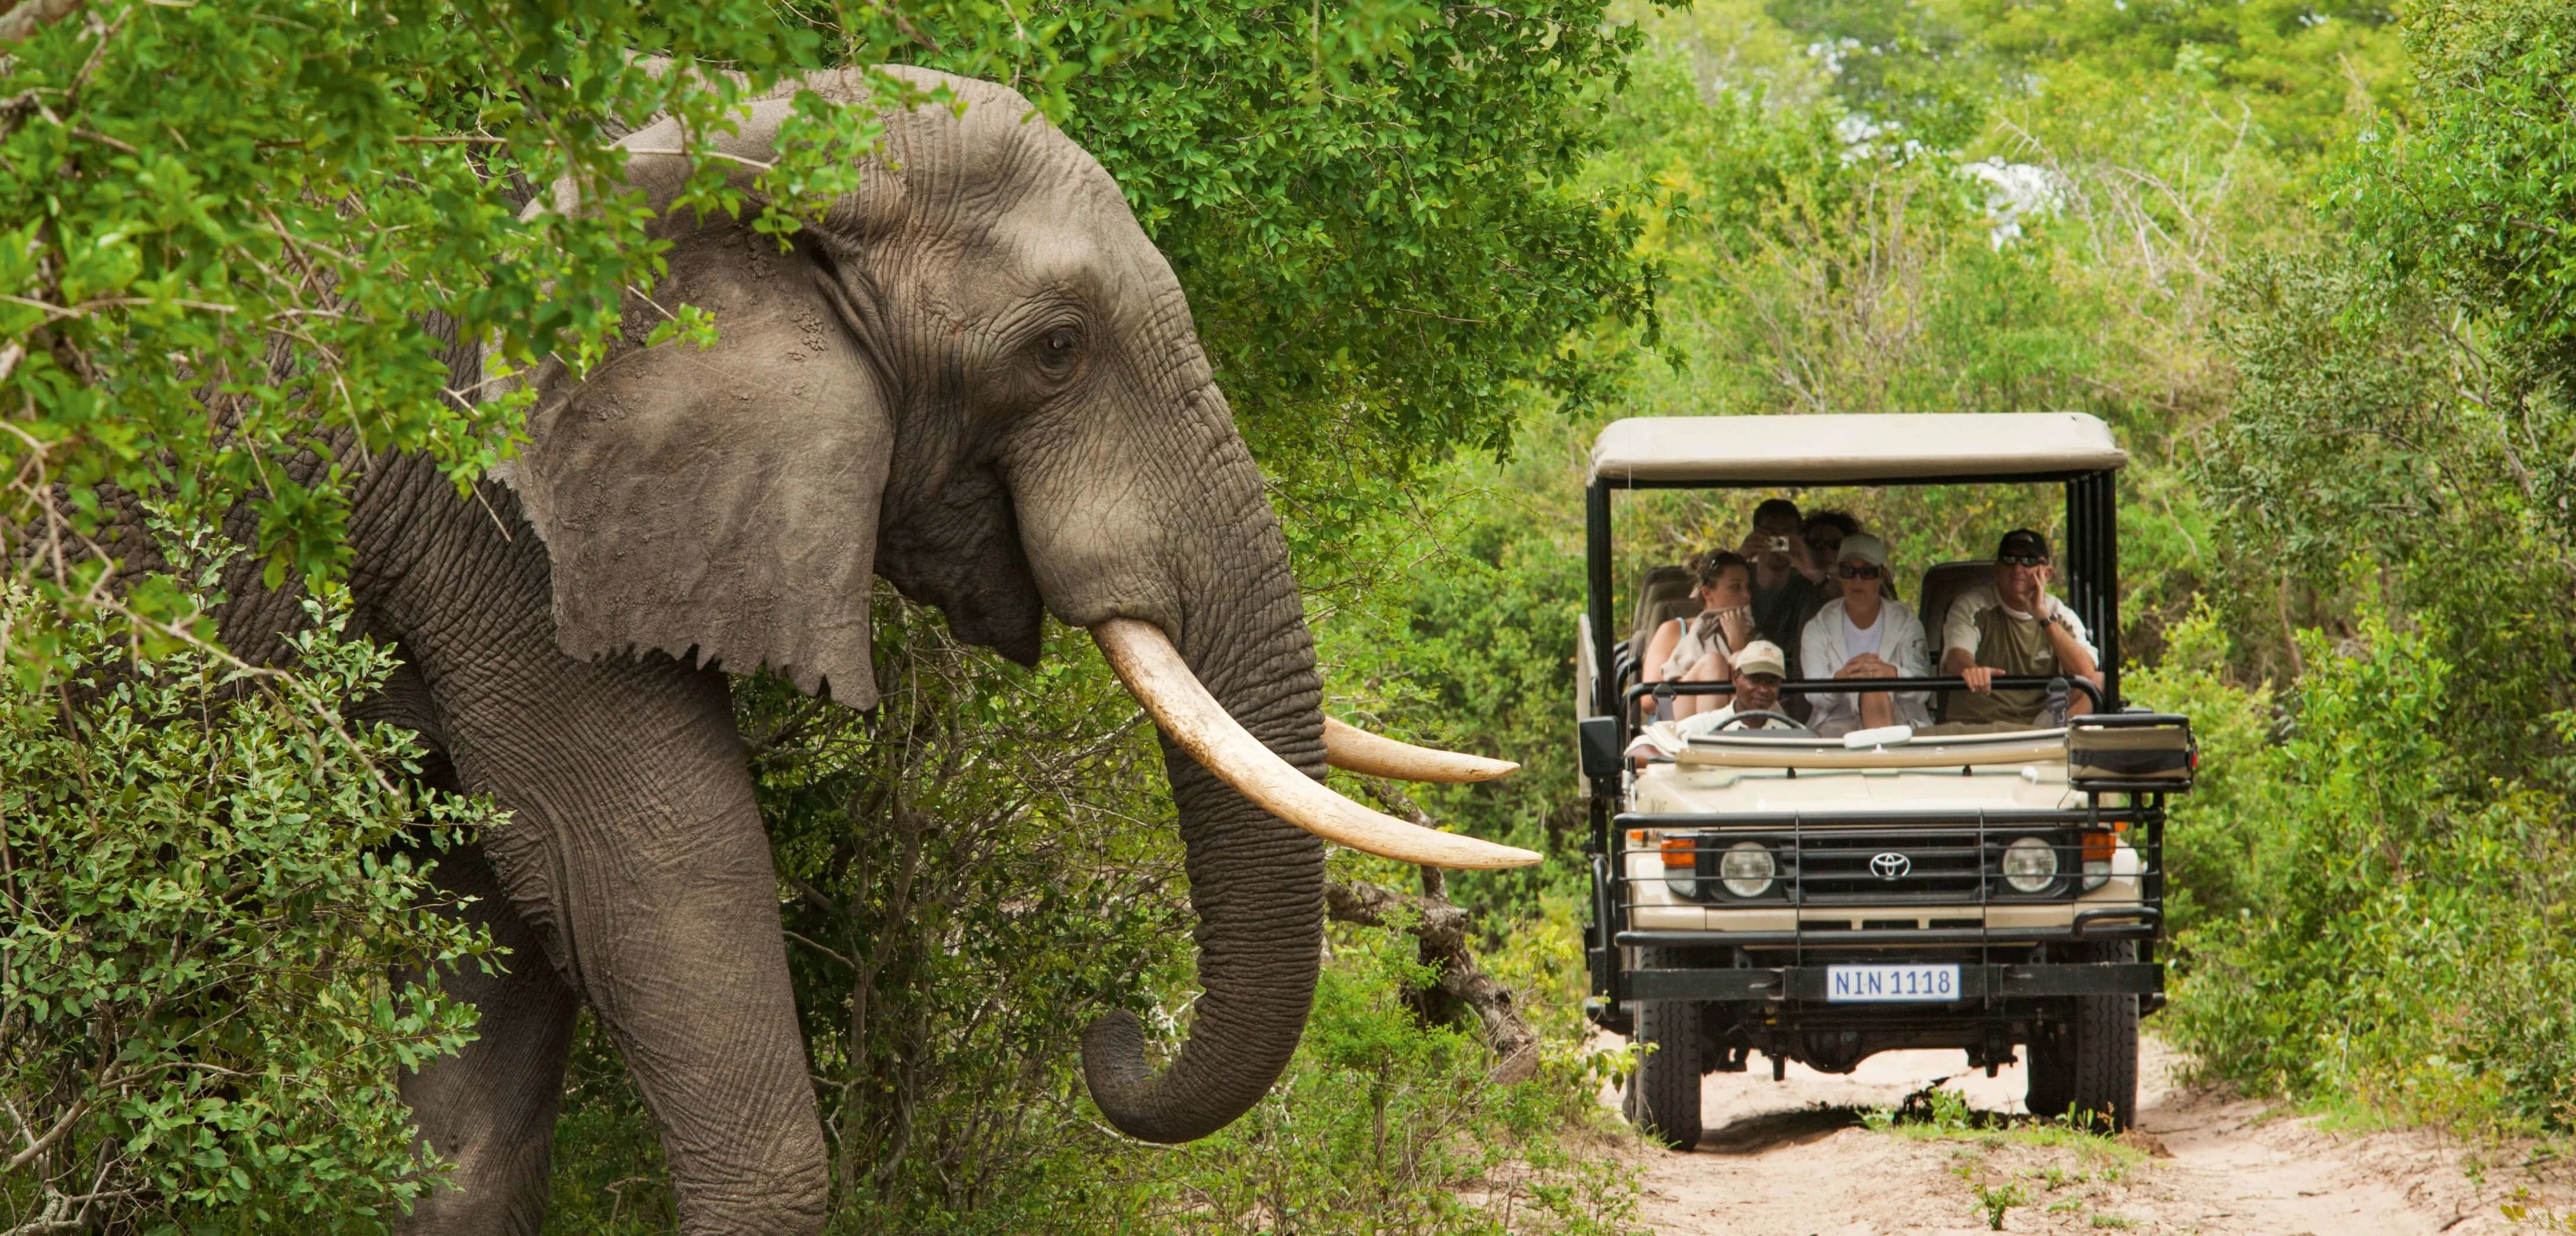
1863 634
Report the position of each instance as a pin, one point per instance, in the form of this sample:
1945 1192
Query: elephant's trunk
1256 881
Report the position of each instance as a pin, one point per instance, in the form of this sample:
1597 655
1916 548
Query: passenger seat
1664 594
1942 585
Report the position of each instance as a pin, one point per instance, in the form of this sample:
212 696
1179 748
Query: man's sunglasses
1848 571
2023 560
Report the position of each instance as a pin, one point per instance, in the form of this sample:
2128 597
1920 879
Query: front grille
1933 865
1852 868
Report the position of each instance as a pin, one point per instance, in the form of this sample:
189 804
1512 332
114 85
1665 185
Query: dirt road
1792 1158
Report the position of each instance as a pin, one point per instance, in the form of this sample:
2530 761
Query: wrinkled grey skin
976 378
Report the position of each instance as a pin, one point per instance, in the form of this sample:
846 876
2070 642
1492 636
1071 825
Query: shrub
210 876
2400 930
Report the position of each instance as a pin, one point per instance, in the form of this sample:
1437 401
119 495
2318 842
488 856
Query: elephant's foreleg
637 851
490 1109
634 850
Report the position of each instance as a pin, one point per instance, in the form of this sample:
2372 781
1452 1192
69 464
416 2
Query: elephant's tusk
1180 703
1352 749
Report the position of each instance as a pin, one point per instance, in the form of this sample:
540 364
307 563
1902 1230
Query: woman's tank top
1696 643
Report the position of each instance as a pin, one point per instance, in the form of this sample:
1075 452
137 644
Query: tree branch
38 1145
1442 930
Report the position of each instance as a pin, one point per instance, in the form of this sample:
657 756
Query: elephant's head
977 377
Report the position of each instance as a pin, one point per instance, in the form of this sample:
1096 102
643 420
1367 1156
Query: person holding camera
1787 579
2013 626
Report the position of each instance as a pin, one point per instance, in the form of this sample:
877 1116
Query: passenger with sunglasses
2013 626
1864 634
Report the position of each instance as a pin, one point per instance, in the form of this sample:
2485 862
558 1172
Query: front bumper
2084 922
1977 982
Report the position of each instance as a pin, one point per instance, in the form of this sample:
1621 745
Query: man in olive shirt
2013 626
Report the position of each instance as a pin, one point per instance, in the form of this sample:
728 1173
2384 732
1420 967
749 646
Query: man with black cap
2013 626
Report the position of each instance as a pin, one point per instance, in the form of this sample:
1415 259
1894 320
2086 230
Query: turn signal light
1681 851
2097 847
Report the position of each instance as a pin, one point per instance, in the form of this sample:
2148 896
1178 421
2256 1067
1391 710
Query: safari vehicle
1822 900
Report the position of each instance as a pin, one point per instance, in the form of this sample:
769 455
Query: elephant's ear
722 503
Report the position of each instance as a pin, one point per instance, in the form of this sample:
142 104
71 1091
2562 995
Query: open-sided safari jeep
1822 900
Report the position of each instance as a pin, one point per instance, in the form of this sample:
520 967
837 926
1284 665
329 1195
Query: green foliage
2377 897
233 219
1937 71
210 877
2473 200
2208 855
1374 210
1384 1125
2403 937
229 221
1995 1200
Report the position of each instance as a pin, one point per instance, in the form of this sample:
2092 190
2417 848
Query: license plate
1876 984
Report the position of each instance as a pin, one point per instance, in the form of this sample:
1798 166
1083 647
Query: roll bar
2089 546
1823 686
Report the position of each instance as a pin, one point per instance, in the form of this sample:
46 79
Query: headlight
1747 868
2030 865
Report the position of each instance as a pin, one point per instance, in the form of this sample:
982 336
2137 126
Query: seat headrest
1663 593
1942 585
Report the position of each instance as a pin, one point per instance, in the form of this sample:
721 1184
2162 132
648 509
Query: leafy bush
2399 933
211 876
2208 854
1384 1125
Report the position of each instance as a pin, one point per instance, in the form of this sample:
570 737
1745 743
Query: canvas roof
1853 447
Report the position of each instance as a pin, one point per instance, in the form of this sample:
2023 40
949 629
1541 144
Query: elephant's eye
1059 347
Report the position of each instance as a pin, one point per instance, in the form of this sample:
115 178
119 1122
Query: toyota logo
1890 866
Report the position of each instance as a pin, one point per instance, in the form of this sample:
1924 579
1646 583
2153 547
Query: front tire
1663 1094
2050 1068
2087 1067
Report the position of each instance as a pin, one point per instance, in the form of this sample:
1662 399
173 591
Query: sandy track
1790 1158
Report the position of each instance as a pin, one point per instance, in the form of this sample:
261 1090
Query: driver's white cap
1762 657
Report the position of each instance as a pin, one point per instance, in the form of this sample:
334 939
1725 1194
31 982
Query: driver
1759 667
2011 625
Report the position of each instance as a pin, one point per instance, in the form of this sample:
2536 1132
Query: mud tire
1663 1094
2049 1066
2086 1068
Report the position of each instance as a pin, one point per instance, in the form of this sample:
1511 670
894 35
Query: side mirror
1598 738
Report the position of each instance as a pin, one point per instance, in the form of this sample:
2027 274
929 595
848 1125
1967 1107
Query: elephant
973 376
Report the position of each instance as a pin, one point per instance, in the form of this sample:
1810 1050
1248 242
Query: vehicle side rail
1837 686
